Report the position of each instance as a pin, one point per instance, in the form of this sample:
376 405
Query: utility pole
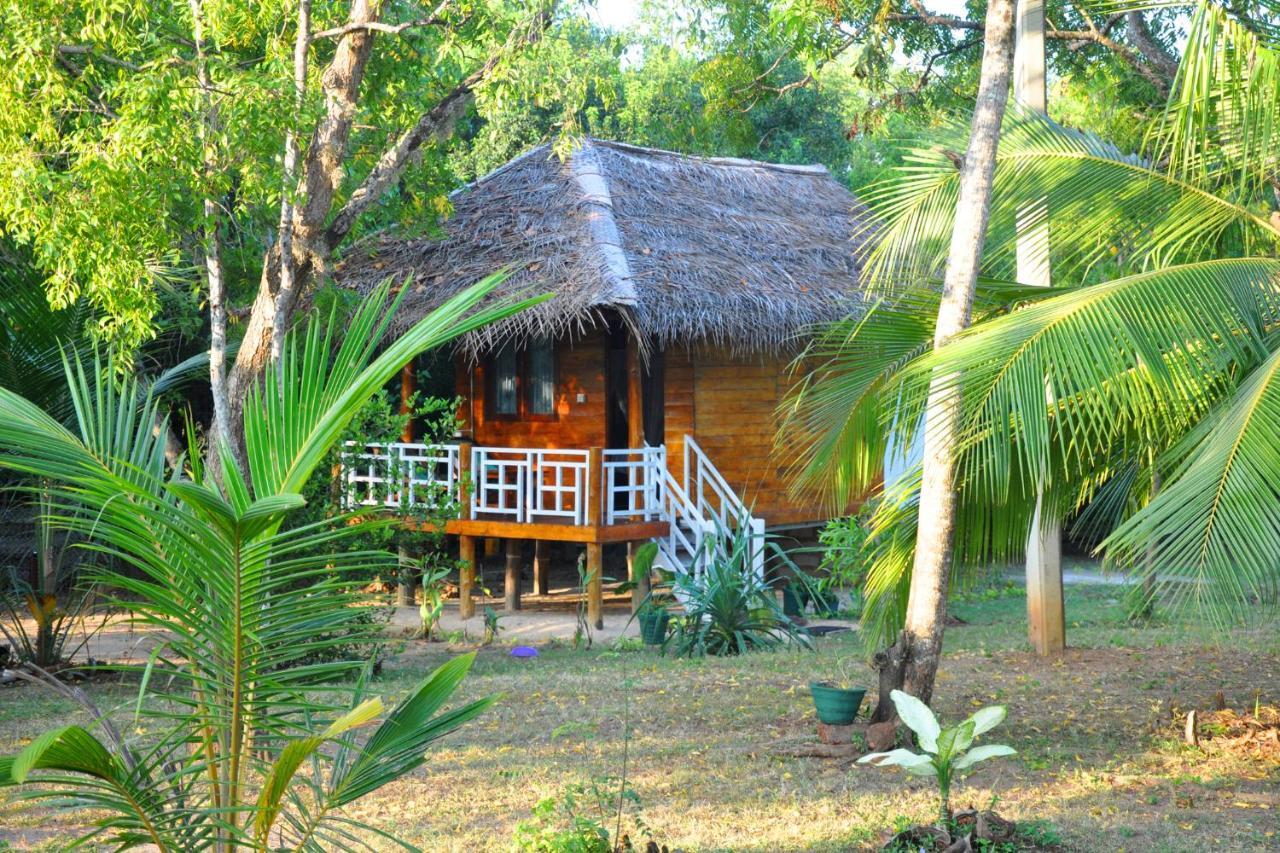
1046 617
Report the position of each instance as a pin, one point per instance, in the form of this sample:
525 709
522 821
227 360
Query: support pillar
408 387
406 578
595 584
515 554
467 576
541 566
595 551
635 394
491 546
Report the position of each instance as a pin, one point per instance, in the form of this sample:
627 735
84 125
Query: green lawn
717 758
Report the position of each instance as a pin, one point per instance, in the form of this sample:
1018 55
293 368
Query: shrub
232 707
729 607
947 751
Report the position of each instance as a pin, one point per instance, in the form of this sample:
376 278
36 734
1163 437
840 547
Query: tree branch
436 123
87 50
435 19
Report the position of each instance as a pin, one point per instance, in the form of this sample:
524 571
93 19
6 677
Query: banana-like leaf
918 718
981 753
986 719
919 765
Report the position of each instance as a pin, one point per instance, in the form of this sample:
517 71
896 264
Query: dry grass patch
712 754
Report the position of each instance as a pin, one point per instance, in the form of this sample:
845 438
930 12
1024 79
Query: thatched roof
689 249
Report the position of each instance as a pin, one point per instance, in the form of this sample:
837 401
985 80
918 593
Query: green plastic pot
653 627
837 706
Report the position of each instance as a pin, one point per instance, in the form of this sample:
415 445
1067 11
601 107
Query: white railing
401 474
632 477
707 488
530 485
527 486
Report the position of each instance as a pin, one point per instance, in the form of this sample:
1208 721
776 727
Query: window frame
524 387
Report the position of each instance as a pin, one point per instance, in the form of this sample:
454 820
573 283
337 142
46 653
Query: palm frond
1213 530
1138 359
1137 216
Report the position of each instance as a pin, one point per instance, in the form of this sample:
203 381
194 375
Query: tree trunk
920 645
311 229
207 133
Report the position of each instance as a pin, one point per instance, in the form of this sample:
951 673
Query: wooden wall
580 370
728 404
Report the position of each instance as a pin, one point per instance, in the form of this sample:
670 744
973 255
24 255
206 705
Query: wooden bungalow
639 402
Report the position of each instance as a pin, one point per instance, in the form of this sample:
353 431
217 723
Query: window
542 378
522 383
505 379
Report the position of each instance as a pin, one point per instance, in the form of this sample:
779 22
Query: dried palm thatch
690 250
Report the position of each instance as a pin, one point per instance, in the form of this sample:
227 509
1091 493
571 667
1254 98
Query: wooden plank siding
727 402
729 405
579 370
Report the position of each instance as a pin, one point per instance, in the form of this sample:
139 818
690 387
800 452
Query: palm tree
247 746
1160 352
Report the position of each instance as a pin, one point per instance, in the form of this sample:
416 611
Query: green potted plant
837 700
652 614
655 620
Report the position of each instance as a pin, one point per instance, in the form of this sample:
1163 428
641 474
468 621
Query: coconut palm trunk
912 662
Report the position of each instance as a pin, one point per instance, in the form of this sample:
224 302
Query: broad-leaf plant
947 752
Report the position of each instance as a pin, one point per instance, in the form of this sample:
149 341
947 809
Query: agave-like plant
246 742
729 607
1157 345
947 752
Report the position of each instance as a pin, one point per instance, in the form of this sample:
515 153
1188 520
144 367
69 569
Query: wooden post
641 589
1046 617
541 565
467 576
635 394
466 544
595 553
408 383
491 544
406 578
595 587
515 553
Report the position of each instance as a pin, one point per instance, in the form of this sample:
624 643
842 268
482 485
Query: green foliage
229 698
947 752
101 163
578 820
844 542
729 608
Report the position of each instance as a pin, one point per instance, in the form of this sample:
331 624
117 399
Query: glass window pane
542 378
504 382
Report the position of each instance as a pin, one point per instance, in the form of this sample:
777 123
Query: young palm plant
247 743
1159 344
